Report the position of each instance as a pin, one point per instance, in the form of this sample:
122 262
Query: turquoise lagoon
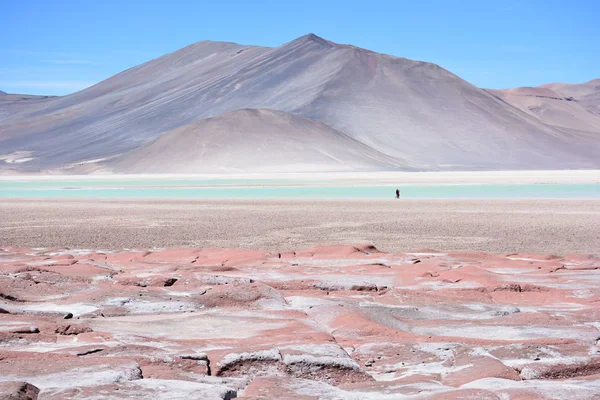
152 188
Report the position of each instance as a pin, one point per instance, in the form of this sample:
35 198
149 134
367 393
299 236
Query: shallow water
152 188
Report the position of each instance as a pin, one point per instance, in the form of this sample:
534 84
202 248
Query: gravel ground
497 226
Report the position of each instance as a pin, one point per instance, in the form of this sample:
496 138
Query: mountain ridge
413 111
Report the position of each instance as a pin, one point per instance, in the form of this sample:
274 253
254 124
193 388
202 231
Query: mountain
254 141
588 94
11 104
415 112
571 108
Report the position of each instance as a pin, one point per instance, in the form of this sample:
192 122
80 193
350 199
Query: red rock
67 329
273 388
252 295
331 321
178 368
154 281
478 368
80 270
541 370
73 370
148 389
466 394
337 251
18 391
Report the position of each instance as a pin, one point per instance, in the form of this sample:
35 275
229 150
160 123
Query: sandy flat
497 226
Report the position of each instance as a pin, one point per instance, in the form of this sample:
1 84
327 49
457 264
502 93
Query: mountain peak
312 38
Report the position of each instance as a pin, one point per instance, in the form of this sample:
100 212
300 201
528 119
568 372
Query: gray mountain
11 104
253 141
413 111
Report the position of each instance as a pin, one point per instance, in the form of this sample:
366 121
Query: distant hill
254 141
587 93
418 114
568 107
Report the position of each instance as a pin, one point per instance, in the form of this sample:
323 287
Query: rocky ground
338 322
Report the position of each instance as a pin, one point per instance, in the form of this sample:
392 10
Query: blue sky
58 47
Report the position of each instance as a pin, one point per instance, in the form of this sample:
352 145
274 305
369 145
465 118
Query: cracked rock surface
332 322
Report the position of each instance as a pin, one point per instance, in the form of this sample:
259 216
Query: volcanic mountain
416 113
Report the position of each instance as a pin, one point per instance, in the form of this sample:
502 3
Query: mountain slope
552 108
587 93
410 110
11 104
574 109
252 140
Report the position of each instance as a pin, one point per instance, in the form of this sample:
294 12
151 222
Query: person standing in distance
397 193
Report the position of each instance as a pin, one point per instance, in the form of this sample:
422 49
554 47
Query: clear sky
61 46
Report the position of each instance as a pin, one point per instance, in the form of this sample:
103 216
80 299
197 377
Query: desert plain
300 298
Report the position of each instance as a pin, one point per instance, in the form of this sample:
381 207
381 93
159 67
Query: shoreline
290 200
379 178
